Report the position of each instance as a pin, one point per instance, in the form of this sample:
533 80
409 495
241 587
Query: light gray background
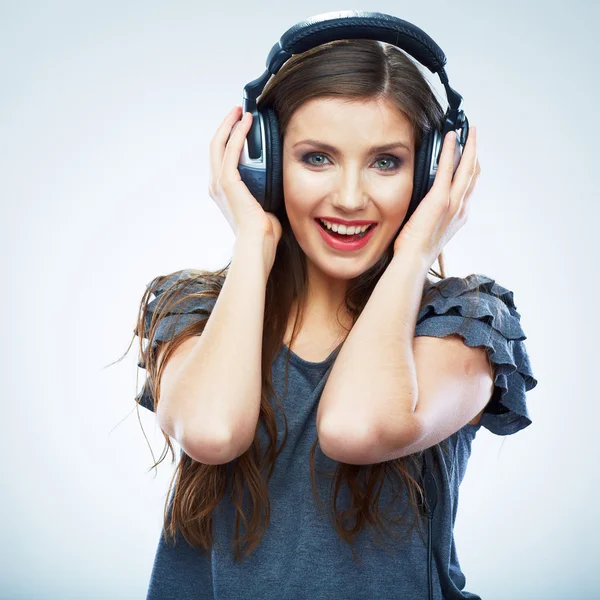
107 111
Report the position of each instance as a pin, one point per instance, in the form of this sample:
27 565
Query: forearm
372 387
217 391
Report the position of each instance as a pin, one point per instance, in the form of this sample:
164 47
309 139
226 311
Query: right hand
241 209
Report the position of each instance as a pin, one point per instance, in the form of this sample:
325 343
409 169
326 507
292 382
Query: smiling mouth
344 237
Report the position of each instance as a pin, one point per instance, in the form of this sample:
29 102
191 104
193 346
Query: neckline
301 361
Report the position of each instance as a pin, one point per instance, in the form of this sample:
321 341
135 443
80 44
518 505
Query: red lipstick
345 242
344 222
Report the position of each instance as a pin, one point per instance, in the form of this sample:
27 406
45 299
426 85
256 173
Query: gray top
301 555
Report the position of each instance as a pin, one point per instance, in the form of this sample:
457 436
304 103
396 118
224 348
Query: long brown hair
353 69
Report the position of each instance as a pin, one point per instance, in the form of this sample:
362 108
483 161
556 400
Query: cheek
301 194
302 183
393 202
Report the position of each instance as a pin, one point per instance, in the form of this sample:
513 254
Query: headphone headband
354 24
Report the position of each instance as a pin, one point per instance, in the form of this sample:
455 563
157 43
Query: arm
372 386
210 399
394 394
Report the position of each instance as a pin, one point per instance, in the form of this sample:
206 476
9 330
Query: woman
328 368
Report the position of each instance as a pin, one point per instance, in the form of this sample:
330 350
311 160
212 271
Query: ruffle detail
490 320
187 311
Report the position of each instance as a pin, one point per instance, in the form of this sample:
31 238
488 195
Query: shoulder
469 286
483 313
181 279
476 296
180 299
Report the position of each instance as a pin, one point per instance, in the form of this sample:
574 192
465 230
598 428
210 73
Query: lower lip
346 246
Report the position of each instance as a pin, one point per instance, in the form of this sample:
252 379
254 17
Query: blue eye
396 161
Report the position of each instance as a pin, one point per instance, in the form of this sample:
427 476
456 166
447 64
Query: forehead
335 118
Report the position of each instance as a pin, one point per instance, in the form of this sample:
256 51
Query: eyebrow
334 150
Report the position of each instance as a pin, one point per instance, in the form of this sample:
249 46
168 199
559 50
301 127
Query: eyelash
387 156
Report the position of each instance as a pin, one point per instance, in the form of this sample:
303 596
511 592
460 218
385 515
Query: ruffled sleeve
483 313
185 310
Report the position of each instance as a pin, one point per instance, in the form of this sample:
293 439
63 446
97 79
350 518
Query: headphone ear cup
421 172
273 161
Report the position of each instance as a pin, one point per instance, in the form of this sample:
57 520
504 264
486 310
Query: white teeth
342 229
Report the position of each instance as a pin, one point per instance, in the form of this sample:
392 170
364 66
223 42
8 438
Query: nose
350 196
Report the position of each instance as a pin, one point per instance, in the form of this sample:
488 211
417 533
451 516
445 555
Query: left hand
444 209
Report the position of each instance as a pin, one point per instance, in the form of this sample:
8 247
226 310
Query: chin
340 267
345 273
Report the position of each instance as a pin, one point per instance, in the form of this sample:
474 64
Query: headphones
261 160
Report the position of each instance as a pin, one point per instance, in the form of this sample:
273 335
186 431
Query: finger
467 199
231 157
466 169
219 140
443 177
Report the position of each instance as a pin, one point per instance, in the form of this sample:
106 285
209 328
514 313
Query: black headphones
261 160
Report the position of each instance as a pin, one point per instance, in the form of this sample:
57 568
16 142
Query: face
339 175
